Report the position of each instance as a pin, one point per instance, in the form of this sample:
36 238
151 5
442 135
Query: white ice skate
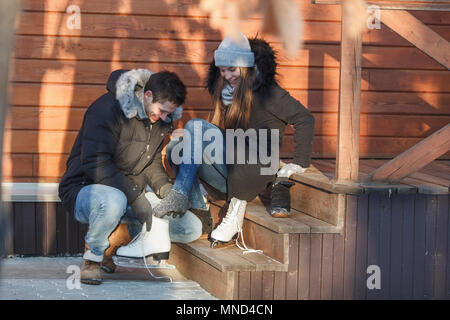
231 227
148 249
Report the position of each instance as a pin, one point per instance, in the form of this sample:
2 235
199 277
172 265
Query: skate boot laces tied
236 206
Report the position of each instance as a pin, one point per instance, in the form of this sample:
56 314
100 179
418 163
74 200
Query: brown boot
119 237
90 272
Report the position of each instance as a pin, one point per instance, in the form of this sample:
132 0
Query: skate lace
229 219
143 232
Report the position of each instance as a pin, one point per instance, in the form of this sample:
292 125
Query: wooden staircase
228 273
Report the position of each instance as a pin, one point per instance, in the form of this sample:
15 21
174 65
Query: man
116 154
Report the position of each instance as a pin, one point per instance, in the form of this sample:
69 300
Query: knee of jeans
196 228
116 204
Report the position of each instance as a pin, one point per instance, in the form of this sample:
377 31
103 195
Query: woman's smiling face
231 74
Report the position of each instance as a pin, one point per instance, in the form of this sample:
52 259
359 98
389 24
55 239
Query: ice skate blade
127 262
217 244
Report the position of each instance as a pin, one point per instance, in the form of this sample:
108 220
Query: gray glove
142 210
174 203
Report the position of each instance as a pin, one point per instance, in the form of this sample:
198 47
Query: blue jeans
104 207
187 166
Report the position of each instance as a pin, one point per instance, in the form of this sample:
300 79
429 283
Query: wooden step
232 258
297 222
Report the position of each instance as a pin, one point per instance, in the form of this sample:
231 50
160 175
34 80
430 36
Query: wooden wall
58 72
404 235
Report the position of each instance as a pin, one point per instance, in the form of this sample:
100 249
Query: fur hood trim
128 88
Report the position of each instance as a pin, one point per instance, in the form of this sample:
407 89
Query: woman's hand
289 169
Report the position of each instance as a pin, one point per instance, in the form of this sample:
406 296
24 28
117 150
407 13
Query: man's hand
289 169
142 210
164 190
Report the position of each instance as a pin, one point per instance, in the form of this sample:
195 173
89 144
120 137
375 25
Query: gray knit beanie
234 52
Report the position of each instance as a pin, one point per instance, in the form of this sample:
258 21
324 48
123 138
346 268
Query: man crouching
116 154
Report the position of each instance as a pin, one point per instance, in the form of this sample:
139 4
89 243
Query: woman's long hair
236 115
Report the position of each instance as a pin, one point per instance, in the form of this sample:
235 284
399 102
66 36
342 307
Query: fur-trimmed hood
265 60
128 88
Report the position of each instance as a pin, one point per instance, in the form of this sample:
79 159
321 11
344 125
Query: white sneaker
155 242
231 223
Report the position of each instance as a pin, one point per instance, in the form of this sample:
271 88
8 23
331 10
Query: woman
241 81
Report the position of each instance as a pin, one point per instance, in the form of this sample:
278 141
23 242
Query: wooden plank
244 285
268 285
310 10
415 158
199 50
396 246
33 94
7 218
351 224
28 219
361 248
292 274
413 30
57 118
257 213
304 264
74 238
384 244
256 285
314 202
373 240
326 289
57 142
419 246
62 232
347 153
400 5
436 170
441 267
274 245
219 284
316 225
338 266
46 228
430 246
17 165
224 259
279 286
448 256
19 241
407 231
320 181
315 271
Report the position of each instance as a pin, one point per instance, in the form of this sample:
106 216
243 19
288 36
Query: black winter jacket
274 108
117 145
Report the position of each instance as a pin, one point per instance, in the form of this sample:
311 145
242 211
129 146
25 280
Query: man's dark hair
166 86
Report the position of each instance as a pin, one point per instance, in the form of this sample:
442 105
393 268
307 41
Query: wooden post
347 152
